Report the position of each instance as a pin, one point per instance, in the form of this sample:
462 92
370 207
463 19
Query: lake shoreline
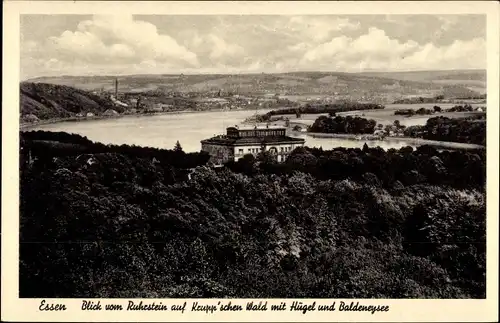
29 125
186 121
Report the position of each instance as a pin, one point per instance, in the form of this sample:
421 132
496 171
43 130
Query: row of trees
461 108
320 108
436 109
46 145
453 92
421 111
420 99
345 223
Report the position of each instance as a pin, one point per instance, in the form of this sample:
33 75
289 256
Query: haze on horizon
54 45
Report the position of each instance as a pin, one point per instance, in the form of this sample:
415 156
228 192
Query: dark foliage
346 223
467 130
178 146
412 112
424 165
420 99
45 145
461 108
50 101
345 125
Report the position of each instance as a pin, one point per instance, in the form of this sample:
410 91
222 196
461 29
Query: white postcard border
15 309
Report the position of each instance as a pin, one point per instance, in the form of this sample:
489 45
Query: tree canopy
120 221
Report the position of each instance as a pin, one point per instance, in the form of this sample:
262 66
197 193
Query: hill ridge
260 73
357 86
51 101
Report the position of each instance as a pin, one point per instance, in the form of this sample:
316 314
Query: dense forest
117 221
470 130
345 125
49 101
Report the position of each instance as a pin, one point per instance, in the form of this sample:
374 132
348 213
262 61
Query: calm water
160 131
163 131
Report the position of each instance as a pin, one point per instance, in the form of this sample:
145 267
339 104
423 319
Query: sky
54 45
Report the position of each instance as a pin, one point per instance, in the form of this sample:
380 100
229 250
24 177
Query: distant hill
48 101
474 80
478 75
357 86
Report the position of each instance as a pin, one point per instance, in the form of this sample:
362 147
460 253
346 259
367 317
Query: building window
240 151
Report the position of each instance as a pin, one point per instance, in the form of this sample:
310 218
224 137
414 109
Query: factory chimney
116 88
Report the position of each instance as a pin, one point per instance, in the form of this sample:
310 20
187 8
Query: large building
237 143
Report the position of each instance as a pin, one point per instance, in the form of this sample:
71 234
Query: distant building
118 102
90 114
30 118
239 142
110 112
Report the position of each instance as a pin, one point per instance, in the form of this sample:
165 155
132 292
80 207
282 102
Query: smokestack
116 88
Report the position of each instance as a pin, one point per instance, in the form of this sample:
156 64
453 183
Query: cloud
319 28
376 51
213 49
223 49
114 40
124 44
462 54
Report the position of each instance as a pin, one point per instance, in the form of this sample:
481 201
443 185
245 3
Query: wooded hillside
346 223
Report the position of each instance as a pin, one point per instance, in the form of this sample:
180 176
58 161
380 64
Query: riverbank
163 129
30 125
411 141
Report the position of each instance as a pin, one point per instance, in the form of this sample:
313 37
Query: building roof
250 127
242 141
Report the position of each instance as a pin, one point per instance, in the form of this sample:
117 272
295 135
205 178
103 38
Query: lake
162 131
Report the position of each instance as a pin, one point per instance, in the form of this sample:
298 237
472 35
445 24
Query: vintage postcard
250 161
